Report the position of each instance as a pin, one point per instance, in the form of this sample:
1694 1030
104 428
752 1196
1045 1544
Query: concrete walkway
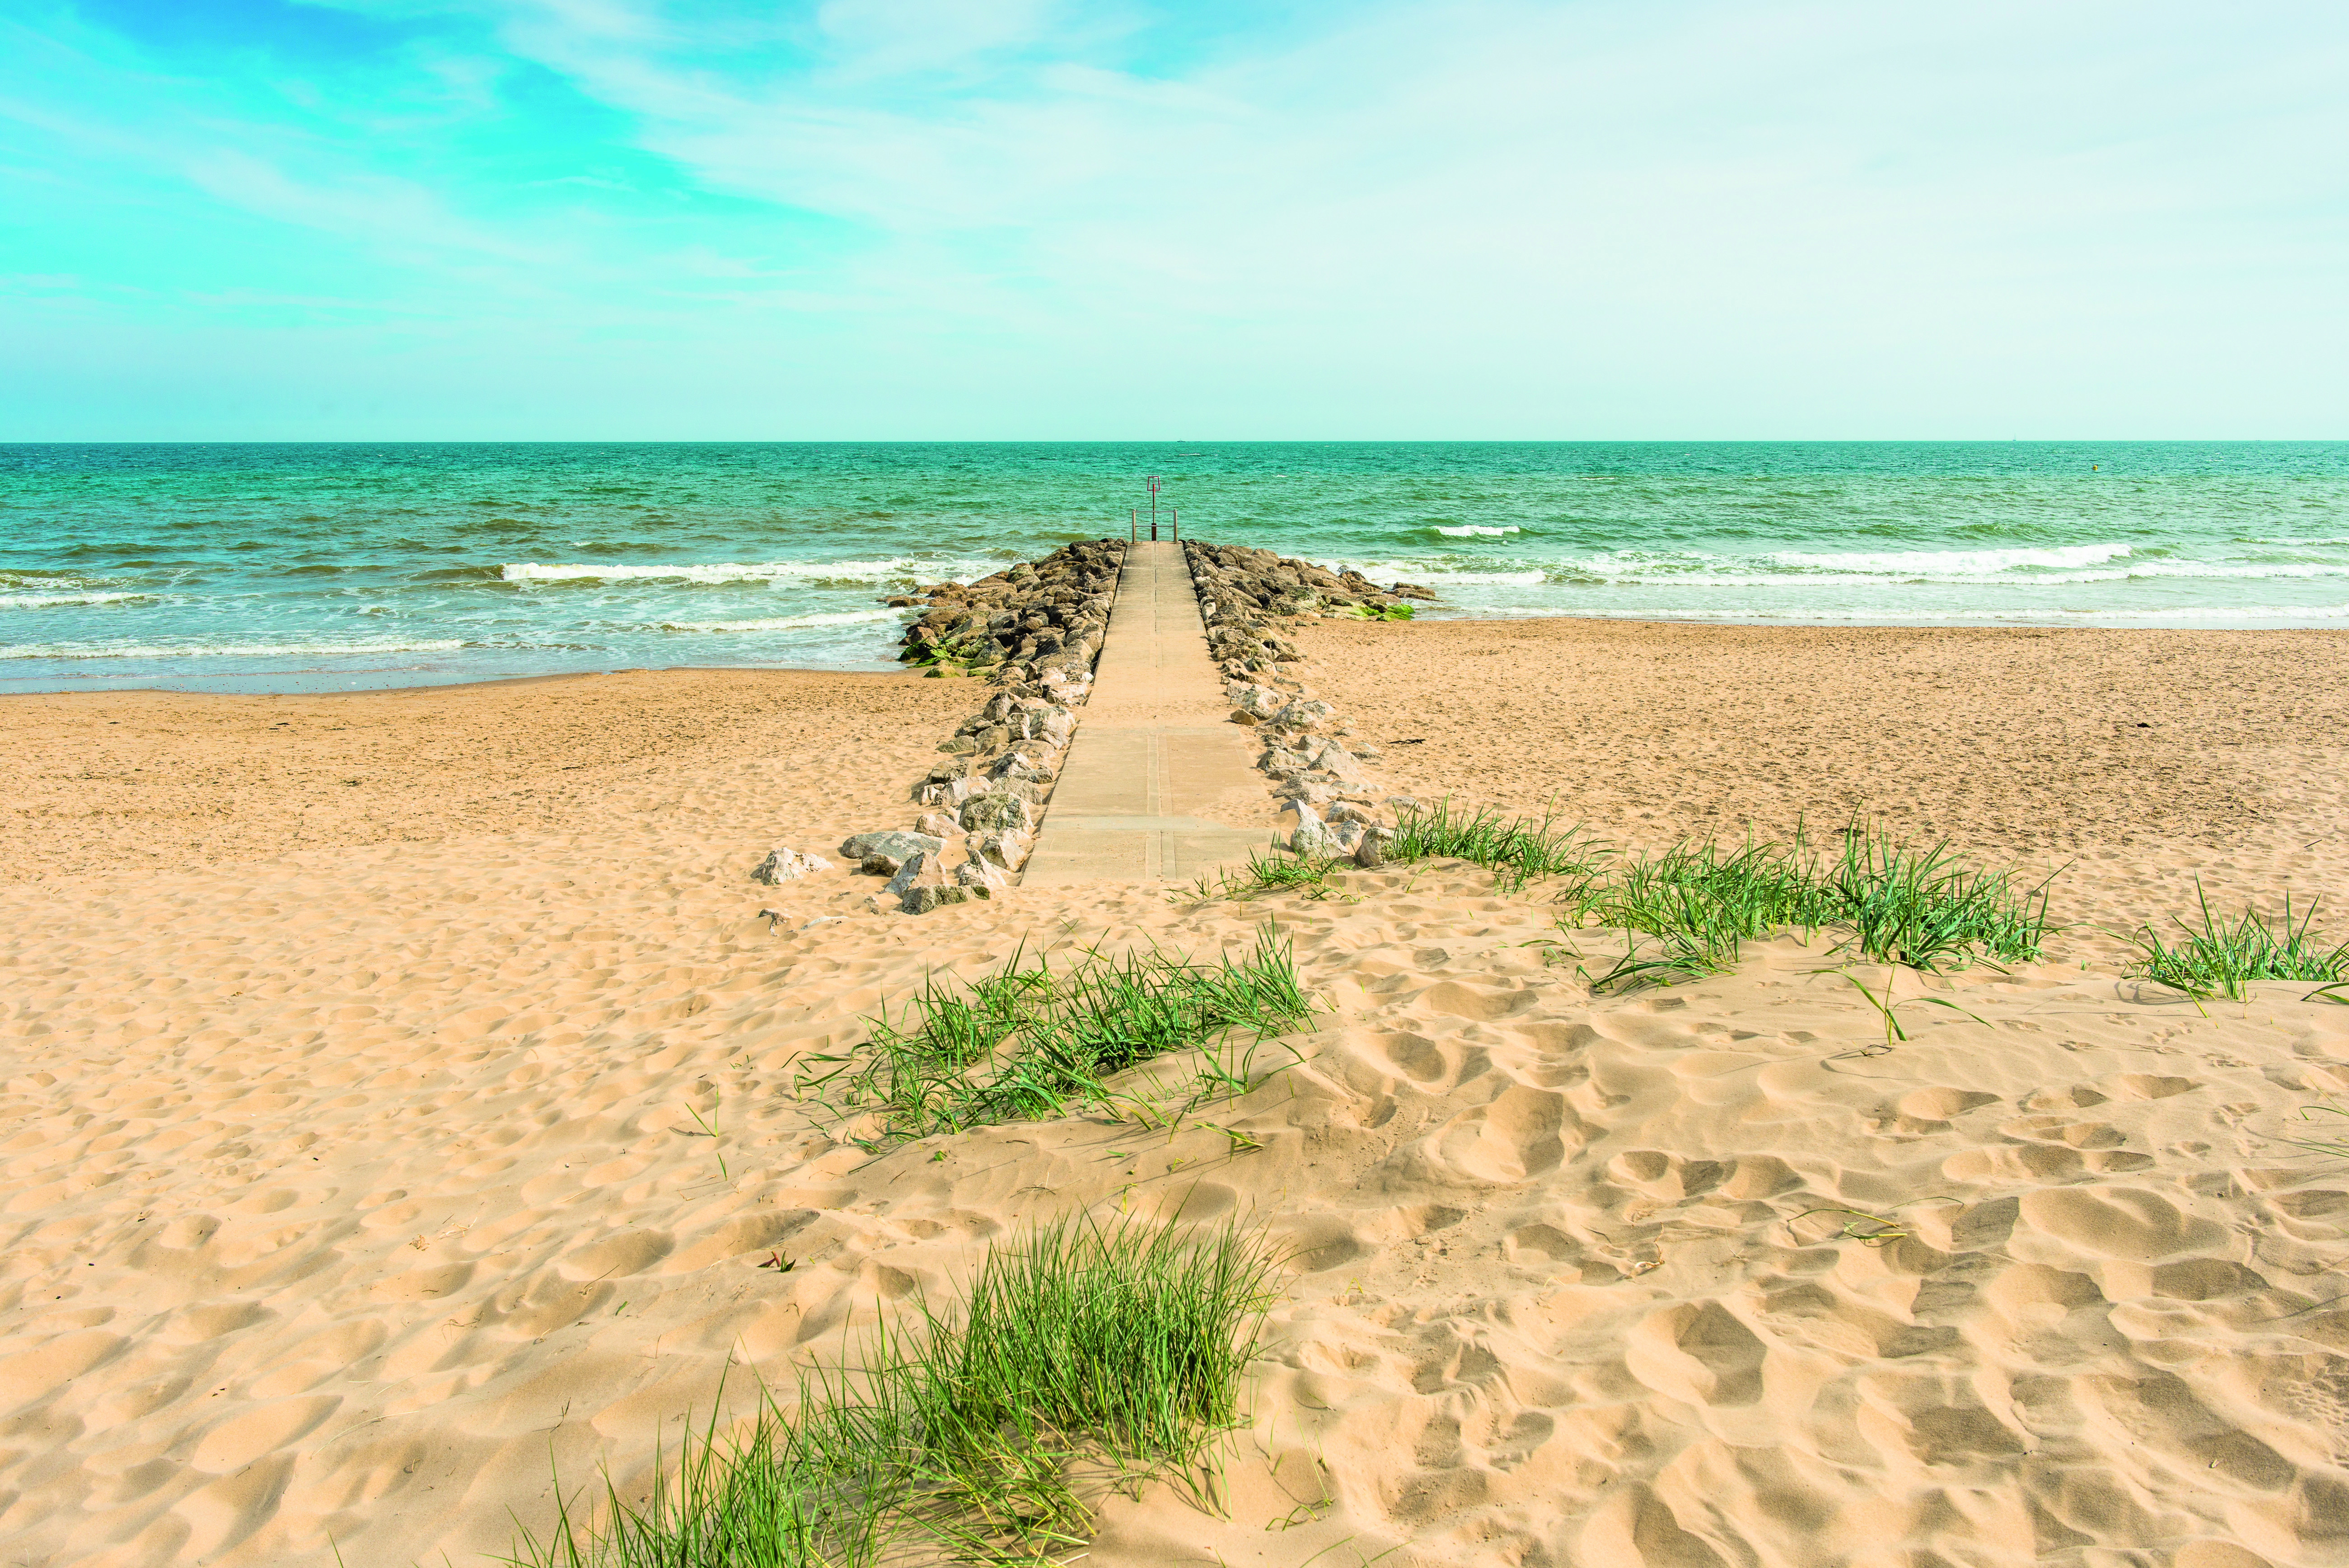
1159 784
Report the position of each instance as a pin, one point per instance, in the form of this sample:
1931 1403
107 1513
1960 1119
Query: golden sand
357 1051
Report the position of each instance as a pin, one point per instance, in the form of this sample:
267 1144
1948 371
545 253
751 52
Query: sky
1024 220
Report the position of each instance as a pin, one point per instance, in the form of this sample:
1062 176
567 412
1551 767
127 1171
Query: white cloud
1500 218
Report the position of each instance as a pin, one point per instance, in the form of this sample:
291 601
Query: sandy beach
361 1058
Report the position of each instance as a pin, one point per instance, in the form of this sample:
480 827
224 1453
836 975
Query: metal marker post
1154 482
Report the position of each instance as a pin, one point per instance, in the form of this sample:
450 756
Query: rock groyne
1335 807
1035 630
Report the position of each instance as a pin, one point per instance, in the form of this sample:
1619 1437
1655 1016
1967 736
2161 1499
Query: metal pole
1174 523
1153 508
1134 515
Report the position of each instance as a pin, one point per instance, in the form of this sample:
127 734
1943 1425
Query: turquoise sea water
285 567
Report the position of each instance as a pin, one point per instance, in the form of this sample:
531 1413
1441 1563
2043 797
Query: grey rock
922 900
785 863
918 871
1306 832
1259 702
995 810
896 843
950 794
980 872
1003 846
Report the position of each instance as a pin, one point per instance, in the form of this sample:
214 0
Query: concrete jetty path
1159 784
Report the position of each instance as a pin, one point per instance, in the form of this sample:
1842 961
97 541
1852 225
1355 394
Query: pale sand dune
348 1188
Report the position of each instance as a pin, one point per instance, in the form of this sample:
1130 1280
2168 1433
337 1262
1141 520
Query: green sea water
311 567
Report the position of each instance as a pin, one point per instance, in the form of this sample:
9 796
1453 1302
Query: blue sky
1016 219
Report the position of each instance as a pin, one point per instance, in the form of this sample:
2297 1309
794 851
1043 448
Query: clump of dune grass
1924 908
2223 959
1267 874
1083 1357
1699 900
1517 850
1034 1042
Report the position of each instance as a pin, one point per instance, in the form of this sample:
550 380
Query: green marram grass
1515 850
1269 874
2221 958
1699 900
1033 1042
1083 1358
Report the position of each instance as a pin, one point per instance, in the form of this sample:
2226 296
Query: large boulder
1004 847
894 843
995 810
980 872
948 795
1306 832
918 871
1053 725
1331 758
1258 702
785 863
1019 766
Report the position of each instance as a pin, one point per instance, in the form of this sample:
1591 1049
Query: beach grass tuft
1699 900
1922 908
2220 958
1267 874
1033 1042
1517 850
1084 1356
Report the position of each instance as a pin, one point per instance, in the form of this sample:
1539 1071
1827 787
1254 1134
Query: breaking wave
1956 565
784 623
228 649
742 572
44 601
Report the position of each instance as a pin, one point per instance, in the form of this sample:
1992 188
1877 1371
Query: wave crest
359 647
44 601
784 623
1962 563
738 572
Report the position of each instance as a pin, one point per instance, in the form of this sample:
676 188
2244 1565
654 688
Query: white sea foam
1960 564
739 572
358 647
44 601
1431 571
782 623
1477 531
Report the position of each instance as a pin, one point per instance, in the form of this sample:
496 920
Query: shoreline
888 666
893 672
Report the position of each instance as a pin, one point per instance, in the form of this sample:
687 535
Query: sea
328 567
